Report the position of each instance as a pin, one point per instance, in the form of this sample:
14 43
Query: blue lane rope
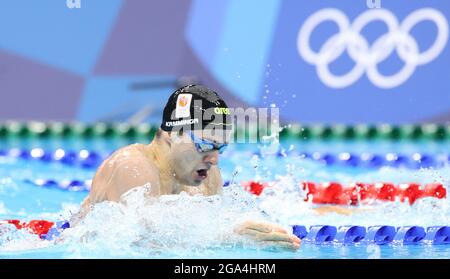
380 235
56 230
368 160
69 185
75 185
91 159
347 235
82 158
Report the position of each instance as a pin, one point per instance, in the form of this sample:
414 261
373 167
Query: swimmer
183 156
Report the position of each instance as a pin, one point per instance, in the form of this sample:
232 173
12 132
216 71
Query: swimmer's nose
211 158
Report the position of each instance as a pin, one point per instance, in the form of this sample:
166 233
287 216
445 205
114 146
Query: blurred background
119 60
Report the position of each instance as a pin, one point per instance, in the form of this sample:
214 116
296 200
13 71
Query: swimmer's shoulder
134 157
128 155
127 167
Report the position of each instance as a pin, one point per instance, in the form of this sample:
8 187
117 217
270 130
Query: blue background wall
112 58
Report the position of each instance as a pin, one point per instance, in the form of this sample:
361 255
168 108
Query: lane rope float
353 194
75 185
320 193
47 230
368 160
379 235
82 158
294 131
92 159
367 132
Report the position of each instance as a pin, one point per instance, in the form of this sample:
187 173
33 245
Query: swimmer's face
191 166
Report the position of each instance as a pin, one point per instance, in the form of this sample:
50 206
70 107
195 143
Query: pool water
185 226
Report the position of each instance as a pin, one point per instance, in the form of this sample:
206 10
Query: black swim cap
195 107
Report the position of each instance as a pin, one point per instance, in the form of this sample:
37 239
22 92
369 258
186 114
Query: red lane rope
39 227
336 193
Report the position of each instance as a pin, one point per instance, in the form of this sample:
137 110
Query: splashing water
12 239
284 202
180 225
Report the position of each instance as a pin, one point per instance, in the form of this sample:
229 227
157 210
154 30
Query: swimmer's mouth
202 173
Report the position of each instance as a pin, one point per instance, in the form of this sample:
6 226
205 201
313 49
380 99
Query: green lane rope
304 132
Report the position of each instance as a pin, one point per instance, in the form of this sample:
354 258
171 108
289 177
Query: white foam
181 224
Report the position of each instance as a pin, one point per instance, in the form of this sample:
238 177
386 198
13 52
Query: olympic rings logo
367 57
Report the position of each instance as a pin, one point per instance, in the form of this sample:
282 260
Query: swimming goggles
203 145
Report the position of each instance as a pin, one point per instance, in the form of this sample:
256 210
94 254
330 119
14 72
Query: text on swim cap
181 122
221 111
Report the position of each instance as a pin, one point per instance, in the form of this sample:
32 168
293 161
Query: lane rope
338 194
295 131
379 235
319 193
317 234
92 159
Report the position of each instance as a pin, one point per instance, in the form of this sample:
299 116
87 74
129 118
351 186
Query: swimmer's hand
269 235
